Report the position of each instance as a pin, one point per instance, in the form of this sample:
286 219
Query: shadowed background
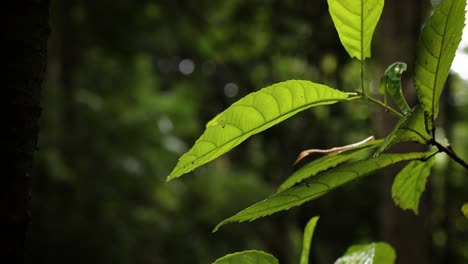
131 84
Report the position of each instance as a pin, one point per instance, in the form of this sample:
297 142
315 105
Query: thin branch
331 150
379 103
449 151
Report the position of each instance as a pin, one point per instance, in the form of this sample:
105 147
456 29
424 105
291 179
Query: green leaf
248 256
410 127
413 129
308 233
436 49
392 84
326 162
251 115
378 253
464 210
410 183
355 21
320 185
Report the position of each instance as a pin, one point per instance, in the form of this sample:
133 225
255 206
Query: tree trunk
25 32
399 31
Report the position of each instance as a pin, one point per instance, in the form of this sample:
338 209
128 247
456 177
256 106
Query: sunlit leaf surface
355 21
410 183
320 185
247 257
251 115
308 233
378 253
437 45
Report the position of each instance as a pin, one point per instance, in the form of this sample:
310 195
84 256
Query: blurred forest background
130 85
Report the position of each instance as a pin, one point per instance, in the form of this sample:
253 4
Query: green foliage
355 22
378 253
251 115
320 185
410 127
410 183
325 163
308 233
391 83
436 49
464 210
249 256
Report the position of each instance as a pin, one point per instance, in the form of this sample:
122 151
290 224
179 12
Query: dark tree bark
399 31
25 32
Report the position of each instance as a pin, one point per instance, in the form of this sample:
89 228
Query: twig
449 151
331 150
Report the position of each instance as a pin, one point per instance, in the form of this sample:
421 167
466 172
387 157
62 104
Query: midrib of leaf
433 65
303 193
267 122
438 61
312 94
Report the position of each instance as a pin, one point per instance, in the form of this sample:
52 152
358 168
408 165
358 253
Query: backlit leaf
355 21
308 233
436 49
464 210
247 257
410 183
320 185
378 253
251 115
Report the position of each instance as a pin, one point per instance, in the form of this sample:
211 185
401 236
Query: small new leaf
410 183
378 253
392 84
251 115
248 256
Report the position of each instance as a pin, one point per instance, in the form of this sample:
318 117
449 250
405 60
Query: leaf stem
379 103
449 151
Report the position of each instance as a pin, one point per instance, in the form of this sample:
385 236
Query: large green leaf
248 256
410 183
325 163
410 127
355 21
308 233
436 49
378 253
251 115
320 185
